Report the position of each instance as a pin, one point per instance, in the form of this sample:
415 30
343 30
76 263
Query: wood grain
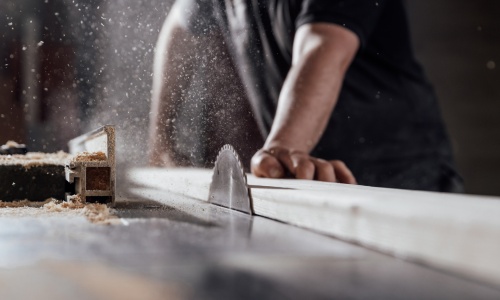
458 233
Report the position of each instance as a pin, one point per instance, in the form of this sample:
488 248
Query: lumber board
34 176
458 233
38 183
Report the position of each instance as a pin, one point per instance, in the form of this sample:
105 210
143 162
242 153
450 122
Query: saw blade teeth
228 147
226 162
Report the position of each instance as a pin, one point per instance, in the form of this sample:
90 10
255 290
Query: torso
387 113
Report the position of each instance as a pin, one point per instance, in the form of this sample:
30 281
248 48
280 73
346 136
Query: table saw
224 234
175 247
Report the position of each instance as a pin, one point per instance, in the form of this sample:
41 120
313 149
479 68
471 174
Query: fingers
264 164
304 168
324 170
273 163
342 172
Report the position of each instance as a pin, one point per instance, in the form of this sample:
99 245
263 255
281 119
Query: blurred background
71 66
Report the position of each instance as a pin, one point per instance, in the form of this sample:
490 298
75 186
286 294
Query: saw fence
457 233
94 180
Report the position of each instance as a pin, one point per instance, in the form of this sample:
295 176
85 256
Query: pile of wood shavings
94 212
12 144
89 156
34 159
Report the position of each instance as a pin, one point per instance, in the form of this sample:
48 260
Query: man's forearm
173 69
311 88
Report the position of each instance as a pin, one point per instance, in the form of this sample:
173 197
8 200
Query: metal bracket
86 173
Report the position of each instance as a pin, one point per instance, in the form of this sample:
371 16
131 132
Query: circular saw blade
229 182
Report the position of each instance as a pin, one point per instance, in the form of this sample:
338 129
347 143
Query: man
334 87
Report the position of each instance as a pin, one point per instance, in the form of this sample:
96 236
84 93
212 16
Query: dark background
95 63
458 42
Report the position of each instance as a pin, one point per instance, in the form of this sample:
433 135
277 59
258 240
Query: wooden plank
459 233
38 183
35 176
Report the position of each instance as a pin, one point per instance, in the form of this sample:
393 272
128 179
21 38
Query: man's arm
174 62
322 53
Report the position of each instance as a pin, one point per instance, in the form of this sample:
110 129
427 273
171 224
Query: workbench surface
175 247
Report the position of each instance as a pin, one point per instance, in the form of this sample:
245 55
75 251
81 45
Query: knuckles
305 167
298 163
262 163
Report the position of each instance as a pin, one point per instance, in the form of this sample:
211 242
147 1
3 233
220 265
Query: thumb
265 165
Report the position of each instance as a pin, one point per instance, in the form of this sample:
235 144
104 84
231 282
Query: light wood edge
458 233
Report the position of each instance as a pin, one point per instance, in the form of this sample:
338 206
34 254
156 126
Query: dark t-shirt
386 125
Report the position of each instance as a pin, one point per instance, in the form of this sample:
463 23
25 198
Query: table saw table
176 247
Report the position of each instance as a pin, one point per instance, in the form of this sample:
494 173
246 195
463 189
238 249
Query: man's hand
322 53
275 162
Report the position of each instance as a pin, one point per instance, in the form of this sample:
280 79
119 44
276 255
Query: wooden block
35 184
458 233
98 178
35 176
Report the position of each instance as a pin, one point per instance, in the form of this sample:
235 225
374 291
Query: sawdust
35 159
11 144
89 156
24 203
94 212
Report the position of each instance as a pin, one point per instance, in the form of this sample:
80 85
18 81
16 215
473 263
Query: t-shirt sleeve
197 16
360 16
